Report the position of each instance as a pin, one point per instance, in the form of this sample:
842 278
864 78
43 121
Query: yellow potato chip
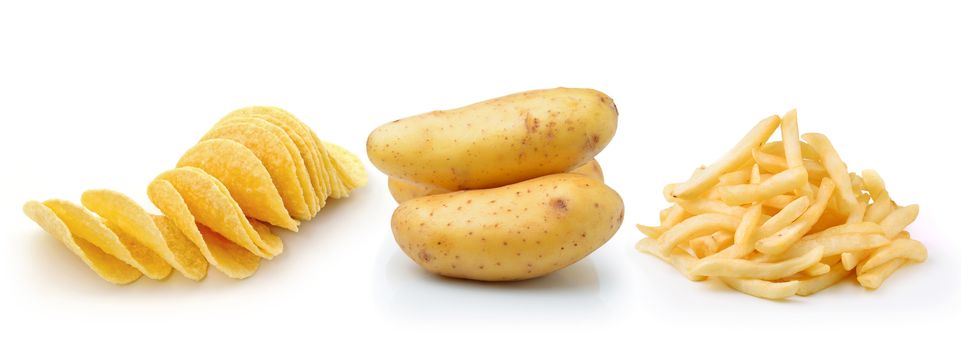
338 188
128 217
303 176
210 203
244 176
348 165
298 133
82 223
108 267
275 157
228 257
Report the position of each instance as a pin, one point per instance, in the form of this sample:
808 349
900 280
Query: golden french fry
730 161
783 239
777 148
864 228
780 183
873 183
872 279
834 244
675 216
785 217
678 258
745 235
737 177
763 289
703 206
739 268
816 284
817 269
908 249
695 226
836 169
898 219
880 209
857 215
650 231
775 164
780 201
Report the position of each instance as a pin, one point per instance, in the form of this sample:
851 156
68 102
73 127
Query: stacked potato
258 166
505 189
783 218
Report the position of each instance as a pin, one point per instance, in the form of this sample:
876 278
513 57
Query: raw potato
496 142
515 232
403 190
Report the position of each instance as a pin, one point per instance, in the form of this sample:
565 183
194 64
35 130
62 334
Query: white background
107 95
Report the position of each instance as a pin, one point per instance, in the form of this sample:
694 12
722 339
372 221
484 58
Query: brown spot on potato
425 256
559 204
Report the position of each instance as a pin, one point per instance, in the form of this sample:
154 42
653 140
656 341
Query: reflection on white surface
409 292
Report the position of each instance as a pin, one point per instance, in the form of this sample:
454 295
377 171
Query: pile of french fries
783 218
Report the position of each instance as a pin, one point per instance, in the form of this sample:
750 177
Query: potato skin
515 232
403 190
496 142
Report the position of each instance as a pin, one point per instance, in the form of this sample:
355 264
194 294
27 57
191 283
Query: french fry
898 219
678 258
783 239
908 249
777 148
740 268
817 269
835 167
693 227
775 164
705 206
880 209
744 236
650 231
730 161
783 182
813 285
763 289
783 218
872 279
873 183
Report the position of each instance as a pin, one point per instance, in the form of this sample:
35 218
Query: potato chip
131 219
84 224
258 166
228 257
244 176
348 165
107 266
275 157
297 132
303 176
213 207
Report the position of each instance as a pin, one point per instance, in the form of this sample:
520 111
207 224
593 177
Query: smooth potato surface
515 232
403 190
496 142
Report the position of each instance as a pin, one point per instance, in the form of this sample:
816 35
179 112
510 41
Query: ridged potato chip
107 266
131 219
257 164
275 157
213 207
228 257
245 177
84 224
297 132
